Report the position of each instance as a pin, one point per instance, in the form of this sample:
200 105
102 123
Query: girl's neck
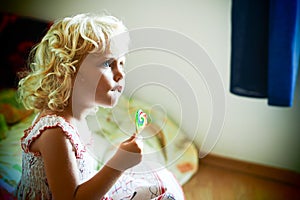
79 109
78 121
72 115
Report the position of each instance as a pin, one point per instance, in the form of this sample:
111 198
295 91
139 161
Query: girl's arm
62 172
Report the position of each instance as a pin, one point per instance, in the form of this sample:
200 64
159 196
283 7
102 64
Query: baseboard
254 169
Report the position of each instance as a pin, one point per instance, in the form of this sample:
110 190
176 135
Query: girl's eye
107 63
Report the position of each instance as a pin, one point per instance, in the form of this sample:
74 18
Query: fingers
128 154
132 137
140 143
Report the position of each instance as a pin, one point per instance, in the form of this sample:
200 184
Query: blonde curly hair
55 60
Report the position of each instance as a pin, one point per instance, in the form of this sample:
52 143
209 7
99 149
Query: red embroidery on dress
26 144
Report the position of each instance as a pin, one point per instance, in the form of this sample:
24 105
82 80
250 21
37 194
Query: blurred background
253 131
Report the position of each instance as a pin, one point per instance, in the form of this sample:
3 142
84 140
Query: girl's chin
114 103
110 103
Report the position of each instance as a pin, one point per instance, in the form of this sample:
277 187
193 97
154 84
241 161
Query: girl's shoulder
43 123
49 121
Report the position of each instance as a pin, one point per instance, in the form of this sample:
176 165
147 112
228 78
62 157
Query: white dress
156 185
33 183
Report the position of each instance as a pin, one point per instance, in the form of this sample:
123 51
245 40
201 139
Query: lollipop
140 121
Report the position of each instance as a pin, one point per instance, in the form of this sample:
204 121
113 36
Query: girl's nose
119 71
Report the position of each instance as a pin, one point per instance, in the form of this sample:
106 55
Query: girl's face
100 80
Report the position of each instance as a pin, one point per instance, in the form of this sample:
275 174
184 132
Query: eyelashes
112 62
107 63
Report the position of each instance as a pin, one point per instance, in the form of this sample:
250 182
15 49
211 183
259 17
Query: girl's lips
117 88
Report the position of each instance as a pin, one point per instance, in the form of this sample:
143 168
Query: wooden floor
222 182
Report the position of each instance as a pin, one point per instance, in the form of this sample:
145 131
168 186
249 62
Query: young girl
73 70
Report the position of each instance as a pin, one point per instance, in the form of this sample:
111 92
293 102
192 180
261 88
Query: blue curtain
265 49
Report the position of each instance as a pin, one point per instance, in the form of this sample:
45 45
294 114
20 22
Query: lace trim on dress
51 121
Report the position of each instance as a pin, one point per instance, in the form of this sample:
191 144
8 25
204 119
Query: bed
163 140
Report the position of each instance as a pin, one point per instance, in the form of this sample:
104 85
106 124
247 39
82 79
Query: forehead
102 57
119 45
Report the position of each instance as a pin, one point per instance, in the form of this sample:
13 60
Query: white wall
253 131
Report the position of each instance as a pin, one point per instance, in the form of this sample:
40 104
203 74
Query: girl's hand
128 155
